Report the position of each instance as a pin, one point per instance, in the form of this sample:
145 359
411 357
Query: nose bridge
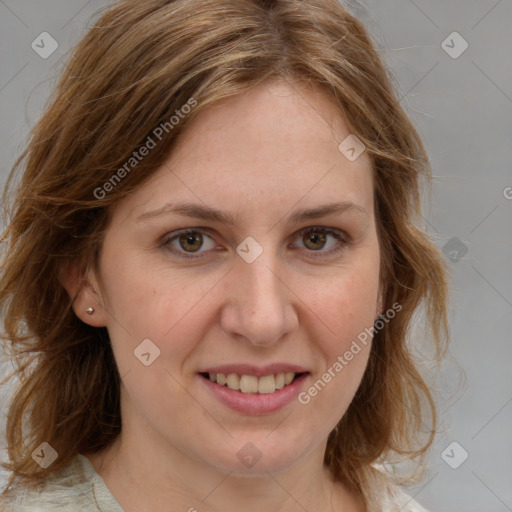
261 309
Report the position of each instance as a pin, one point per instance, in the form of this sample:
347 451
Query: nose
261 304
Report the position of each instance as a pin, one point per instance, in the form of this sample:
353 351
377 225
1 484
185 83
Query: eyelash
338 235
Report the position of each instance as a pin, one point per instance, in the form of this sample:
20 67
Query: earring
89 311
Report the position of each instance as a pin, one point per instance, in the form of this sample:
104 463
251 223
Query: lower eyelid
168 239
342 238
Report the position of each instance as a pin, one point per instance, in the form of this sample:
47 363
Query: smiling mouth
250 384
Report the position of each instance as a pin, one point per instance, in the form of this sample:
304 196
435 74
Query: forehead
268 149
275 119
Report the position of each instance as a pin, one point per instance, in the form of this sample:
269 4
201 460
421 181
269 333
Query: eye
187 242
315 239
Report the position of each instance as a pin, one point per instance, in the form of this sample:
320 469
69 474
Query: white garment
78 488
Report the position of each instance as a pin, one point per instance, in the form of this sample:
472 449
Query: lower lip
256 403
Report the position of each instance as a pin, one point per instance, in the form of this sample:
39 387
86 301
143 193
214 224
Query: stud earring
89 311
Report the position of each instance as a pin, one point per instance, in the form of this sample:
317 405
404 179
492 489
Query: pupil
189 239
317 238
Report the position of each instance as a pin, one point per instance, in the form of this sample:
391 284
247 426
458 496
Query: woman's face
266 292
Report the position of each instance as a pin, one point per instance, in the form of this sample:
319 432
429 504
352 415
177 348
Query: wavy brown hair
137 65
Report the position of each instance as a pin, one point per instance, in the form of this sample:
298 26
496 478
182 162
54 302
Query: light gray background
463 109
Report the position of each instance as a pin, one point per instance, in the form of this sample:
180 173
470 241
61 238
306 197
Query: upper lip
257 371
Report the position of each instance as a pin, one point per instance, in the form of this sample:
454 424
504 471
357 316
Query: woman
212 266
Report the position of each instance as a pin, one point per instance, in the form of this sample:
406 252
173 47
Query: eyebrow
199 211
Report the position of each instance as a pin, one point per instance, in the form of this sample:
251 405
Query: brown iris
317 238
188 238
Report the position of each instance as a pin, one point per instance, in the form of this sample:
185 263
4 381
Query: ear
83 289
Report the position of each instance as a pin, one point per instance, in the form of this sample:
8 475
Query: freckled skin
261 156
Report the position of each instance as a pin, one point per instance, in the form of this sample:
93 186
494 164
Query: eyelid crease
341 236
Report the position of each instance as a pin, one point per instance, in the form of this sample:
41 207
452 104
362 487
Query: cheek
144 296
345 304
343 340
169 306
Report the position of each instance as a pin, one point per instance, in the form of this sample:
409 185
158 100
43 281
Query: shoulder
386 496
76 488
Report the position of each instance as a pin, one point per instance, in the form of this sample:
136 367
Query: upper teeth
251 383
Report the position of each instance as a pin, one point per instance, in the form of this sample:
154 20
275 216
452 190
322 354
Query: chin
256 458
